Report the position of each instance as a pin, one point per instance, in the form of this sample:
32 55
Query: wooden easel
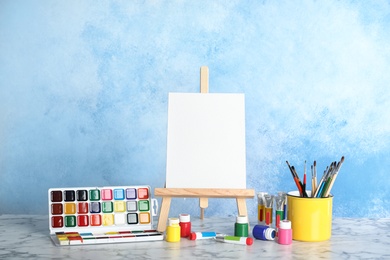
202 193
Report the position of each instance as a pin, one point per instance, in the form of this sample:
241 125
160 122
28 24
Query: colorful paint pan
101 212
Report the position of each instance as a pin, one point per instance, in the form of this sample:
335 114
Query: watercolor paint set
95 215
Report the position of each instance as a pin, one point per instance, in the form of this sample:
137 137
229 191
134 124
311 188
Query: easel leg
162 219
241 205
203 203
242 211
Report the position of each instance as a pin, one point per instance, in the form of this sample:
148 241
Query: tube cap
249 241
192 236
184 217
172 221
242 219
263 232
285 224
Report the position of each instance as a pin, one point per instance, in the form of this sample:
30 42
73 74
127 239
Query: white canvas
206 141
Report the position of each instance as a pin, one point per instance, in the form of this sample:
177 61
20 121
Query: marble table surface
27 237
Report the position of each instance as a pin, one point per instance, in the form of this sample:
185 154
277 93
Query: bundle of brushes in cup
321 189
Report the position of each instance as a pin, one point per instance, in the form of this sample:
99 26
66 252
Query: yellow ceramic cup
311 218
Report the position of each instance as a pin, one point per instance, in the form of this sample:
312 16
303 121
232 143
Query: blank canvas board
206 141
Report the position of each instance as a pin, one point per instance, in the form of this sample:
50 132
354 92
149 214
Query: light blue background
84 88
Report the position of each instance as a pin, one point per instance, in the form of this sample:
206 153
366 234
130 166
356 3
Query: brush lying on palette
323 188
92 215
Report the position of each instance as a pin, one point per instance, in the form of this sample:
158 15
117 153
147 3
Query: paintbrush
327 192
296 178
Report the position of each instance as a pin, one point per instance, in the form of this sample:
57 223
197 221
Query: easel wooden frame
202 193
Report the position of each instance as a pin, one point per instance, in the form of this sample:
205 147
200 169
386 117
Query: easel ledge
203 194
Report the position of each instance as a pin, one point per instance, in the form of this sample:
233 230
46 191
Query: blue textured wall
84 87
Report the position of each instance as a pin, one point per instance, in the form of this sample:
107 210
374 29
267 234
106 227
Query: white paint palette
93 215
